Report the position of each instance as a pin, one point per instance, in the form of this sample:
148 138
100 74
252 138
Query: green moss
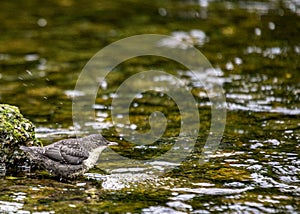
15 130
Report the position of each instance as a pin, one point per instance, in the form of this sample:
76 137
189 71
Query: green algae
228 174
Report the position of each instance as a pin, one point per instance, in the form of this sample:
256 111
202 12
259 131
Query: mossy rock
15 130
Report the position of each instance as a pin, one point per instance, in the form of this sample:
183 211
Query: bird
69 158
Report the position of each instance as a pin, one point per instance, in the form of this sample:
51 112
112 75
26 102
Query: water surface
254 47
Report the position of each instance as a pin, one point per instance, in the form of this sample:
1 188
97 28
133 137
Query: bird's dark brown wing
66 152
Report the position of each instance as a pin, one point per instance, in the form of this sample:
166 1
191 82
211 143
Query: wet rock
15 130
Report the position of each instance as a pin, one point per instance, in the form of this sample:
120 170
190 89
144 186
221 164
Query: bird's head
99 140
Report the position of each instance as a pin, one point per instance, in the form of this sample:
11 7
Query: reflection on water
10 207
260 94
254 47
192 38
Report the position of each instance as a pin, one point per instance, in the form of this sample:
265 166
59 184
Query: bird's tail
25 149
30 150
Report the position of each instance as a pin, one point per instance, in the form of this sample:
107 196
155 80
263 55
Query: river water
254 48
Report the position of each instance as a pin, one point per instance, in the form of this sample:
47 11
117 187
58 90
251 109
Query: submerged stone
15 130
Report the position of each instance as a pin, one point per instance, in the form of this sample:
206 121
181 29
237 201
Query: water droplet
257 31
229 66
42 22
238 61
133 126
162 11
271 25
29 72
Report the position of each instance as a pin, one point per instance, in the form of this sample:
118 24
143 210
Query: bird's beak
112 143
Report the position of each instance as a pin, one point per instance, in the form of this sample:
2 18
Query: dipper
69 158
